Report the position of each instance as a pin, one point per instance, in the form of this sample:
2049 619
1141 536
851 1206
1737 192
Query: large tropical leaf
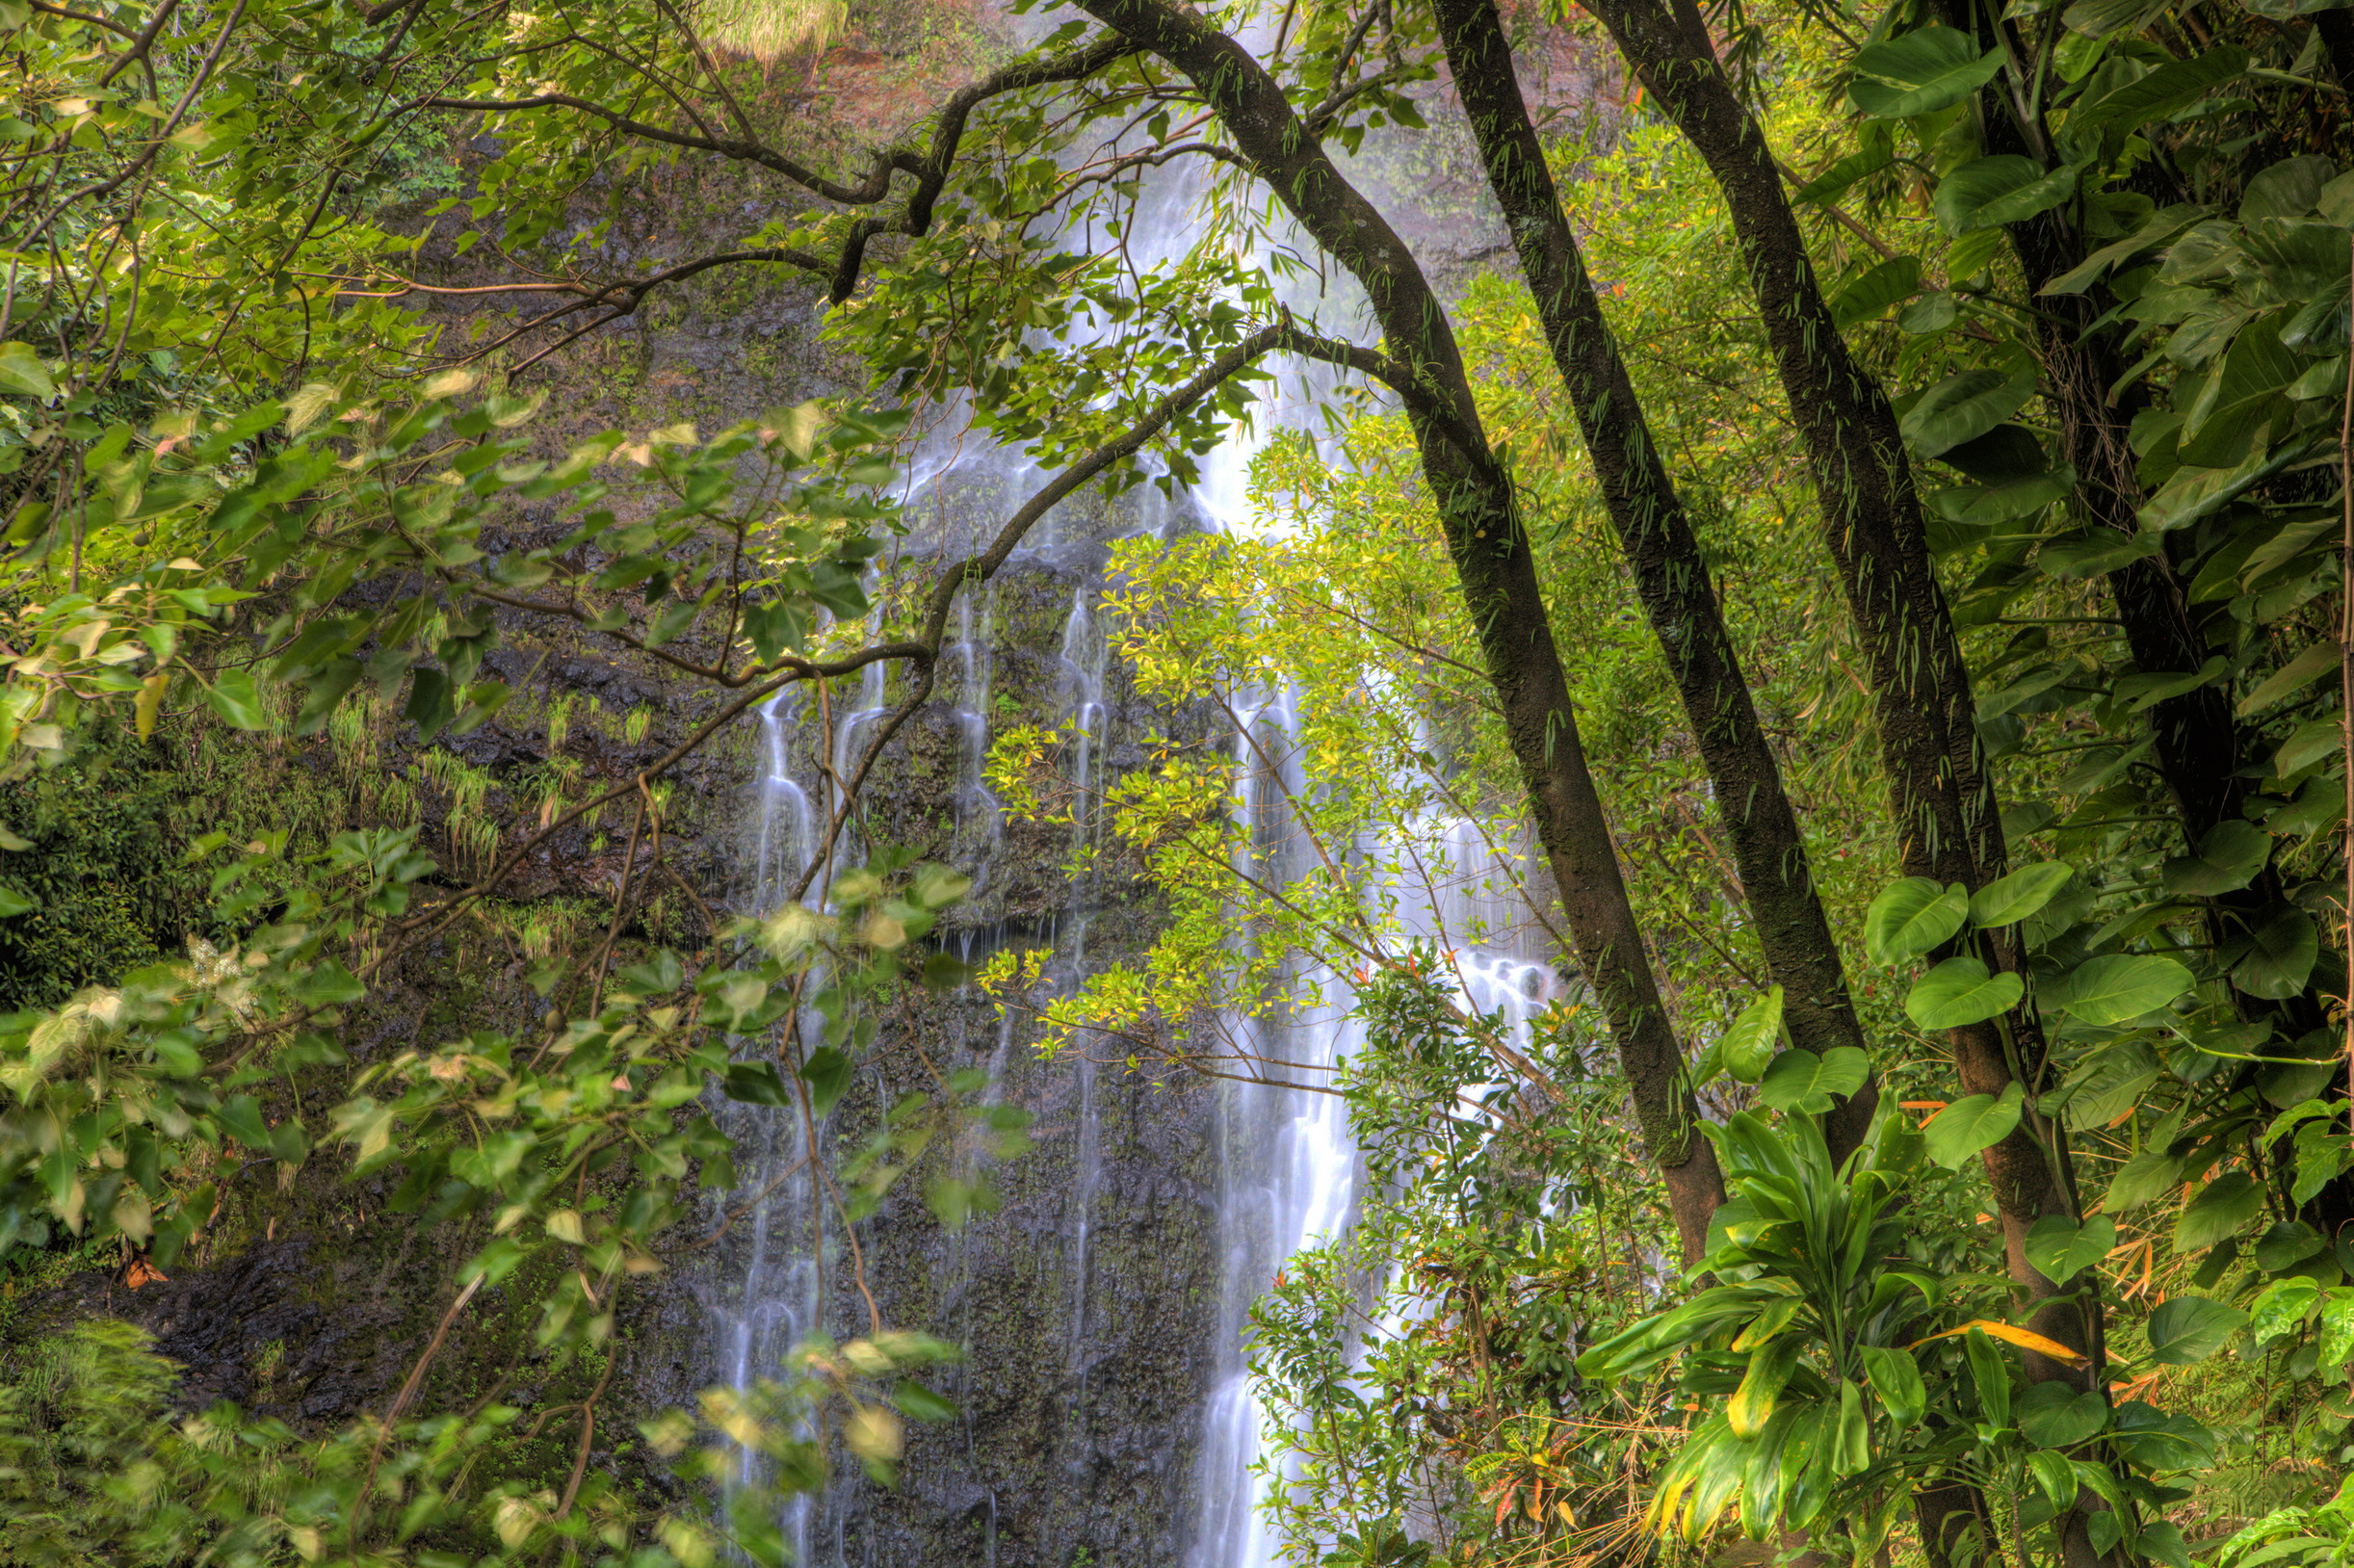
2008 899
1965 406
1803 1083
2119 988
2004 189
1912 917
2189 1329
1920 72
1961 991
1971 1125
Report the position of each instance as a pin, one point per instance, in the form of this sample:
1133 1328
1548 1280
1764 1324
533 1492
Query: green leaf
1962 991
1803 1083
2288 188
1912 917
2061 1248
756 1083
828 1072
1747 1045
1979 504
22 371
2160 93
233 696
1876 290
2004 189
1769 1368
241 1117
1896 1377
2229 857
2337 1330
2186 1329
1919 73
2310 744
2056 1416
2281 1308
2149 1175
2054 1475
14 902
2223 1207
2118 988
1971 1126
1964 407
2008 899
2283 947
2291 678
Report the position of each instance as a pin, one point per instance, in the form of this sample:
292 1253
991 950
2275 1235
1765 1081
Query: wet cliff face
1084 1295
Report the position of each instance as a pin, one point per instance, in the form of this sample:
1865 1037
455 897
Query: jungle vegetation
1870 543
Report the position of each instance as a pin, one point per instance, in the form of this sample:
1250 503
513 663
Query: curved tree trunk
1656 534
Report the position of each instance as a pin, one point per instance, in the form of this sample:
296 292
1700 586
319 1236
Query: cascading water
1286 1172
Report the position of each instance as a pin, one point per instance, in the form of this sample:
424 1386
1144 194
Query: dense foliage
1901 673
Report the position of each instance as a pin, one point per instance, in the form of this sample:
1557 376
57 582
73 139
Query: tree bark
1654 531
1494 566
1950 827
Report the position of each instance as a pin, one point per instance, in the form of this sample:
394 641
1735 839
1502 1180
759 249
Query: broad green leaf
2119 988
1896 1377
2287 189
2229 857
2282 1307
2147 1176
2008 899
1852 1451
1803 1083
2054 1476
1982 504
2223 1207
2061 1248
756 1083
2312 742
241 1116
1769 1368
1971 1126
828 1073
2283 947
2056 1416
2188 1328
2291 678
22 371
1747 1046
14 902
2288 1244
1871 295
233 696
1964 407
2004 189
1912 916
2129 107
1920 72
1962 991
2336 1329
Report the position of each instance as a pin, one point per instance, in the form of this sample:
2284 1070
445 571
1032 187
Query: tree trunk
1950 827
1494 566
1656 534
